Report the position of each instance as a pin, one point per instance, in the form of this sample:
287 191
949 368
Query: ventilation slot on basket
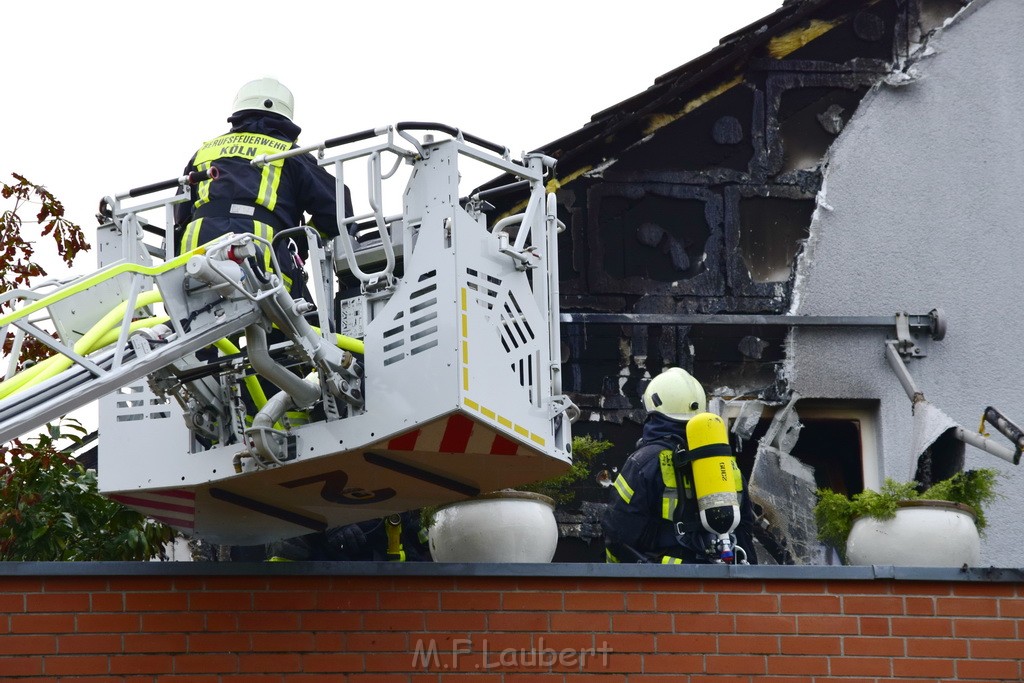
484 288
139 403
419 331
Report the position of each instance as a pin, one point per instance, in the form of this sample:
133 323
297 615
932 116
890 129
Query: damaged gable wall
921 208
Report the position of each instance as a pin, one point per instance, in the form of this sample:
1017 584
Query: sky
105 96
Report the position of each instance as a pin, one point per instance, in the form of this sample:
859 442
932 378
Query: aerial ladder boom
425 370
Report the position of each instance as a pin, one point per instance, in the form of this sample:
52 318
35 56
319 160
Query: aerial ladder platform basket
426 369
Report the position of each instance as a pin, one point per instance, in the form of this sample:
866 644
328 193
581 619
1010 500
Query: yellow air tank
714 479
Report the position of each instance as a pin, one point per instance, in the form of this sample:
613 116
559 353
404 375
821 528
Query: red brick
997 649
378 642
683 603
456 621
107 602
477 600
221 621
856 604
614 662
57 602
526 621
10 602
827 624
148 642
156 602
890 647
989 669
794 587
860 587
928 588
77 665
420 600
206 663
704 623
765 624
768 645
599 602
75 584
740 604
275 642
334 663
42 623
696 643
735 664
669 586
329 642
674 664
392 621
289 601
972 607
142 664
220 601
810 645
936 647
921 626
251 584
732 586
642 623
346 600
19 584
919 606
989 589
517 600
874 626
982 628
1011 607
797 666
283 662
105 623
21 666
73 643
330 621
923 668
861 666
186 622
269 621
810 604
157 584
219 642
640 602
28 645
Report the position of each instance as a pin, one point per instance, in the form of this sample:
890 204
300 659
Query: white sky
111 95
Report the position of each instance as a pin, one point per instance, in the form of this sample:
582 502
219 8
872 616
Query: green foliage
50 509
836 513
584 450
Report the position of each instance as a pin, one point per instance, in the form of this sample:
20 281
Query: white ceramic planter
923 534
504 526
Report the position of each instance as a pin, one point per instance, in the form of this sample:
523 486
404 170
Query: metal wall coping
553 570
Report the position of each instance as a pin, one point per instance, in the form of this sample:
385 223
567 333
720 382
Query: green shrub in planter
835 513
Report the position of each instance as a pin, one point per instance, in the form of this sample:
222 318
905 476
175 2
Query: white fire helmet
675 394
265 94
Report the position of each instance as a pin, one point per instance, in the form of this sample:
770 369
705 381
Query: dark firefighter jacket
640 521
259 200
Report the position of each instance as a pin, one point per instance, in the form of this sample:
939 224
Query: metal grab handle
455 133
192 178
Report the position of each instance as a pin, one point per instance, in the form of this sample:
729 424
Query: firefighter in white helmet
261 200
658 512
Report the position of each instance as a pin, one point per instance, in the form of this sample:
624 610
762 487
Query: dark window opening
654 237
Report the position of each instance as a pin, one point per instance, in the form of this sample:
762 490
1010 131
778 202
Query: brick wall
274 623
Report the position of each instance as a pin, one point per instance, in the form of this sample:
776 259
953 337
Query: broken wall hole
809 121
772 230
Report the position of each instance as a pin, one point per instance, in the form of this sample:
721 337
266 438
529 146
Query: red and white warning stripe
456 434
176 507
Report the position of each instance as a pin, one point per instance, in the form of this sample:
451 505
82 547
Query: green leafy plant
50 508
835 513
560 488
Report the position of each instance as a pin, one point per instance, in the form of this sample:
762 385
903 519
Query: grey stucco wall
922 208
